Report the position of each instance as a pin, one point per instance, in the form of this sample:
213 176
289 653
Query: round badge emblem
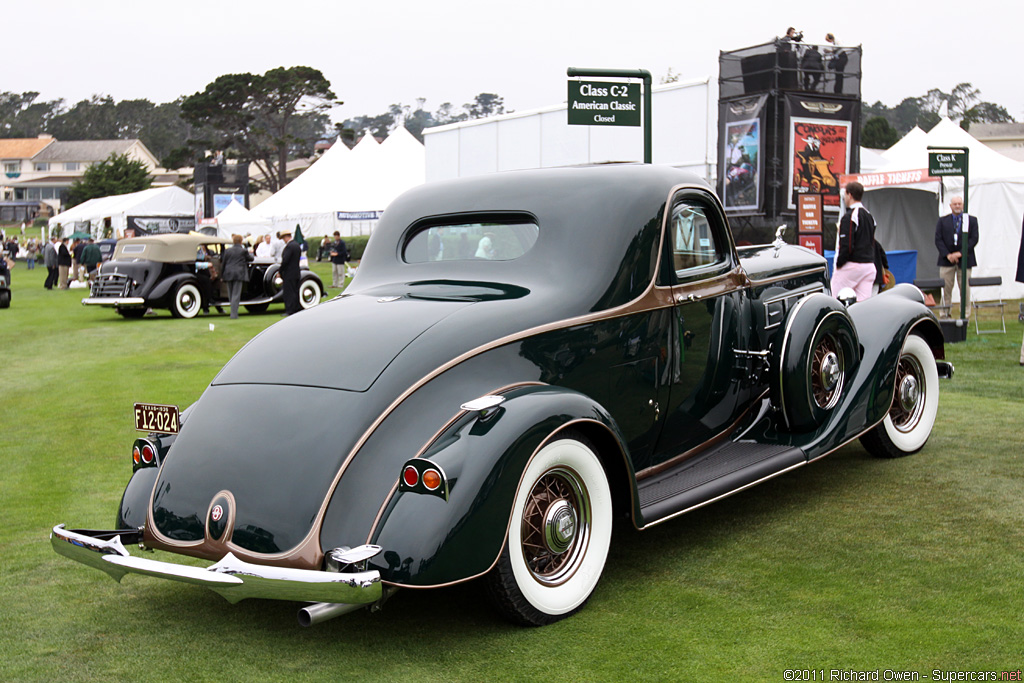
217 513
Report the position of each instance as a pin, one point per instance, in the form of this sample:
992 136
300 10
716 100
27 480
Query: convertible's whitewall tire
309 293
910 419
187 301
558 537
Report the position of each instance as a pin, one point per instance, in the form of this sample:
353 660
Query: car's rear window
484 241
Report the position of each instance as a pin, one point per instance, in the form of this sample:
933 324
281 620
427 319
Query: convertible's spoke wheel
915 402
558 536
187 301
309 294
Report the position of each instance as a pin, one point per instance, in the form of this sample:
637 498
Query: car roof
167 248
598 226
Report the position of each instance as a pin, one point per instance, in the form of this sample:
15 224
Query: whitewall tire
915 402
559 535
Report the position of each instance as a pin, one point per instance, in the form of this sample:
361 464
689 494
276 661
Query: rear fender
430 541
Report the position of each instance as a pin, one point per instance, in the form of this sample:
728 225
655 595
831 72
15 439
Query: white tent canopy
236 219
157 201
346 190
906 212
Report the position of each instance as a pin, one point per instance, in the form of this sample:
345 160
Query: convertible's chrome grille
112 285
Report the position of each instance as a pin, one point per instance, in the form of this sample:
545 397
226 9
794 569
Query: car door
708 317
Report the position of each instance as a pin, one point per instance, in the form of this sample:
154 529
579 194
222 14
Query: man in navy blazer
949 240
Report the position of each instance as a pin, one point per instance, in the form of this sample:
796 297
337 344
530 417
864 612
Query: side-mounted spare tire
915 402
818 351
558 537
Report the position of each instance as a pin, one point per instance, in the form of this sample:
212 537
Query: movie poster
820 153
742 164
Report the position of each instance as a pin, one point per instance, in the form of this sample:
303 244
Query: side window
692 237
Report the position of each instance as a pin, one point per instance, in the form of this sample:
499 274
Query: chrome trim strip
788 276
114 301
231 577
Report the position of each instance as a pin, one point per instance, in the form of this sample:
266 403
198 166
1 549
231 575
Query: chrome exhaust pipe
322 611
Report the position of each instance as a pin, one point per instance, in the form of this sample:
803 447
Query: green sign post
611 103
954 161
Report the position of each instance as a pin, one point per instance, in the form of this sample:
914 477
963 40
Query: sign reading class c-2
604 103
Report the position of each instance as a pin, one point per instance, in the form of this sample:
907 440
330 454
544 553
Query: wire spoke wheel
909 399
828 372
915 401
556 526
558 537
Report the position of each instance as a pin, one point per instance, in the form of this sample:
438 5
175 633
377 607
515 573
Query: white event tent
92 215
906 203
236 219
347 190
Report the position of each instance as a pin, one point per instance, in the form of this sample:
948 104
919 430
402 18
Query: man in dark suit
950 240
290 258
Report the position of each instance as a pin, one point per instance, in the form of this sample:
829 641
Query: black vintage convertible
179 272
537 352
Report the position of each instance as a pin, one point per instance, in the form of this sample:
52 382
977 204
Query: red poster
820 153
812 242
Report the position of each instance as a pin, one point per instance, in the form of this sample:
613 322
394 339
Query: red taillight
147 454
432 479
136 455
410 476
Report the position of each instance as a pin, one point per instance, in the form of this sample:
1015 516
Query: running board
733 467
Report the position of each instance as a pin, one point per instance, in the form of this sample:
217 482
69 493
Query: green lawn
851 563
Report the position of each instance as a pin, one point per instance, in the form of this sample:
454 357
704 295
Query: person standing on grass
290 256
50 261
1020 278
235 271
63 263
855 250
339 257
956 236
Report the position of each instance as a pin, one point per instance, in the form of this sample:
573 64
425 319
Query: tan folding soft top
170 248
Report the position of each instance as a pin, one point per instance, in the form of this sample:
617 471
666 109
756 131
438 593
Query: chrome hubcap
556 526
909 393
559 527
830 371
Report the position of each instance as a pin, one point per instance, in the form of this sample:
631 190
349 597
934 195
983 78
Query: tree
22 117
262 119
485 104
117 174
878 134
418 118
963 104
985 112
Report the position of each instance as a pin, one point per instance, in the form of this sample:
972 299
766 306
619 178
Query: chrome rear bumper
114 301
232 578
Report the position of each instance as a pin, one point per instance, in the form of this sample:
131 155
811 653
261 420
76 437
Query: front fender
430 541
163 289
883 323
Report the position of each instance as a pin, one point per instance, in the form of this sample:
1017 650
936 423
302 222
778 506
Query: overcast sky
376 54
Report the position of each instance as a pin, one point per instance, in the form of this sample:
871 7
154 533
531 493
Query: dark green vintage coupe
526 356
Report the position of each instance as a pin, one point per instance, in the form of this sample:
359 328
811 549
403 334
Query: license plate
151 417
